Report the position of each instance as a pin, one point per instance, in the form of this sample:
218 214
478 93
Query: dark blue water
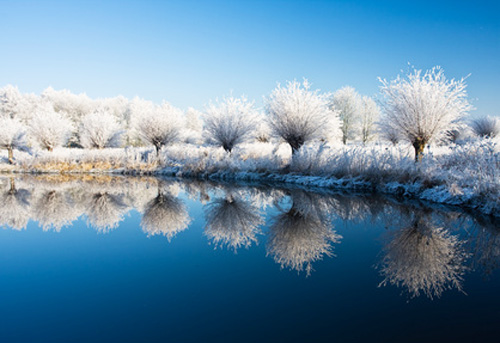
142 260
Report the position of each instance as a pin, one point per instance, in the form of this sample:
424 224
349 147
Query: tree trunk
12 186
419 145
296 144
11 155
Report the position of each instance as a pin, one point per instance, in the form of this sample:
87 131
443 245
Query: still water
143 259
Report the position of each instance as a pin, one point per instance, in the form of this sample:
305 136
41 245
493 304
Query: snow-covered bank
463 175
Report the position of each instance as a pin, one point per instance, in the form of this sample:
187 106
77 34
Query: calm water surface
142 259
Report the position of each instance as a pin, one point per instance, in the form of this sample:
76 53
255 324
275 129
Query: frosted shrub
229 122
12 136
298 115
420 108
100 130
50 129
162 126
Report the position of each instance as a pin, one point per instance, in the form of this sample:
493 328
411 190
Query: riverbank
466 175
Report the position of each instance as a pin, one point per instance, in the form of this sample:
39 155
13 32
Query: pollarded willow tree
12 136
100 130
161 126
422 107
229 122
50 129
298 115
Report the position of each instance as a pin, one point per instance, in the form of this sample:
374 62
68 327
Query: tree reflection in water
303 234
105 211
232 222
54 209
423 259
15 206
165 215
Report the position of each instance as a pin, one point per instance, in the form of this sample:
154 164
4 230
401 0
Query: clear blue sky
188 52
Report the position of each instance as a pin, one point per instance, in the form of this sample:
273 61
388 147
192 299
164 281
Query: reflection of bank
232 222
424 259
303 234
485 245
14 209
165 214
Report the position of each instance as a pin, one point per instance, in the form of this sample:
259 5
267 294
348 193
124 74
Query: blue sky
188 52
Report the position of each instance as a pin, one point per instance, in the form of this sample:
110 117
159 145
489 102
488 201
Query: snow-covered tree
232 222
298 115
229 122
161 126
194 126
421 107
76 106
137 109
369 113
486 127
347 103
100 130
10 101
50 129
12 136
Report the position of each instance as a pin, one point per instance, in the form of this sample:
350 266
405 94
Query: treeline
418 108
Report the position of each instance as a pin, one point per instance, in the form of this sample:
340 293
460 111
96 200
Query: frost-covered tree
347 103
76 106
421 107
369 113
486 127
137 109
50 129
194 126
10 101
423 259
232 222
298 115
229 122
161 126
12 136
100 130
